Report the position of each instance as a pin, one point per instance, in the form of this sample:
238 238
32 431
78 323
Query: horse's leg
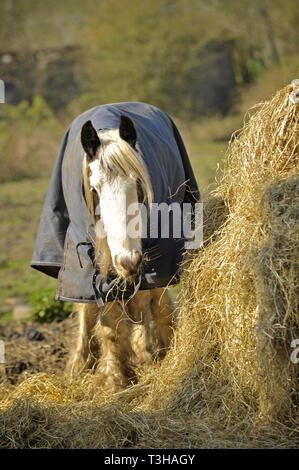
140 315
112 332
163 317
84 351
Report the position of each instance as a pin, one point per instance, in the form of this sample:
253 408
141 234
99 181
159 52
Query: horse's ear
127 130
89 139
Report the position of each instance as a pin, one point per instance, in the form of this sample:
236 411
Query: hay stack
229 365
240 293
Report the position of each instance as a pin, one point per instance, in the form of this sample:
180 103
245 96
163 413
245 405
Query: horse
125 333
112 158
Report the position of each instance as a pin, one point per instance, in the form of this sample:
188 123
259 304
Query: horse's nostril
132 272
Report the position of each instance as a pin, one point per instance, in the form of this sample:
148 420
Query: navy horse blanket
65 239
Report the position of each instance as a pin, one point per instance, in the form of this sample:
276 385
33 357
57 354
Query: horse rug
65 239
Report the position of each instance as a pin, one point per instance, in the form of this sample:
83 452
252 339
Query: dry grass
228 380
27 156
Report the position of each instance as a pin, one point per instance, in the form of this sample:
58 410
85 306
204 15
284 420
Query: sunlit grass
20 209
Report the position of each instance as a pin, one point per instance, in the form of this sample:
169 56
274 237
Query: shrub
46 309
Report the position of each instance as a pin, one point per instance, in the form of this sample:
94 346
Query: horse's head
115 178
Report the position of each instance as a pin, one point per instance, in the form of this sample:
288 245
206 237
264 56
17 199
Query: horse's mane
116 157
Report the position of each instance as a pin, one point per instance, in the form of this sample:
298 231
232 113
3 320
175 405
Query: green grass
6 318
205 159
206 142
20 209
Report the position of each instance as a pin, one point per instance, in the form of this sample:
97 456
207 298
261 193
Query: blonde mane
116 157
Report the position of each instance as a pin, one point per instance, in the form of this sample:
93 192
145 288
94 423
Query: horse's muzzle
127 266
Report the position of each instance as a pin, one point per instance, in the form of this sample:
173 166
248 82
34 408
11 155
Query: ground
34 347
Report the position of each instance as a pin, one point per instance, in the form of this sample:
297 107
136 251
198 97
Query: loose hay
228 380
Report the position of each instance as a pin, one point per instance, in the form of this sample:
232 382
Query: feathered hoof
77 365
74 367
110 382
143 360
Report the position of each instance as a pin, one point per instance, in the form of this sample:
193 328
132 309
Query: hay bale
240 293
229 364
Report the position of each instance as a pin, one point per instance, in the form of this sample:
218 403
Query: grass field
20 207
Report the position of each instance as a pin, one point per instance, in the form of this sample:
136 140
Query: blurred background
205 62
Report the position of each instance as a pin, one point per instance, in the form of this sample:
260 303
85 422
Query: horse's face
115 188
115 196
